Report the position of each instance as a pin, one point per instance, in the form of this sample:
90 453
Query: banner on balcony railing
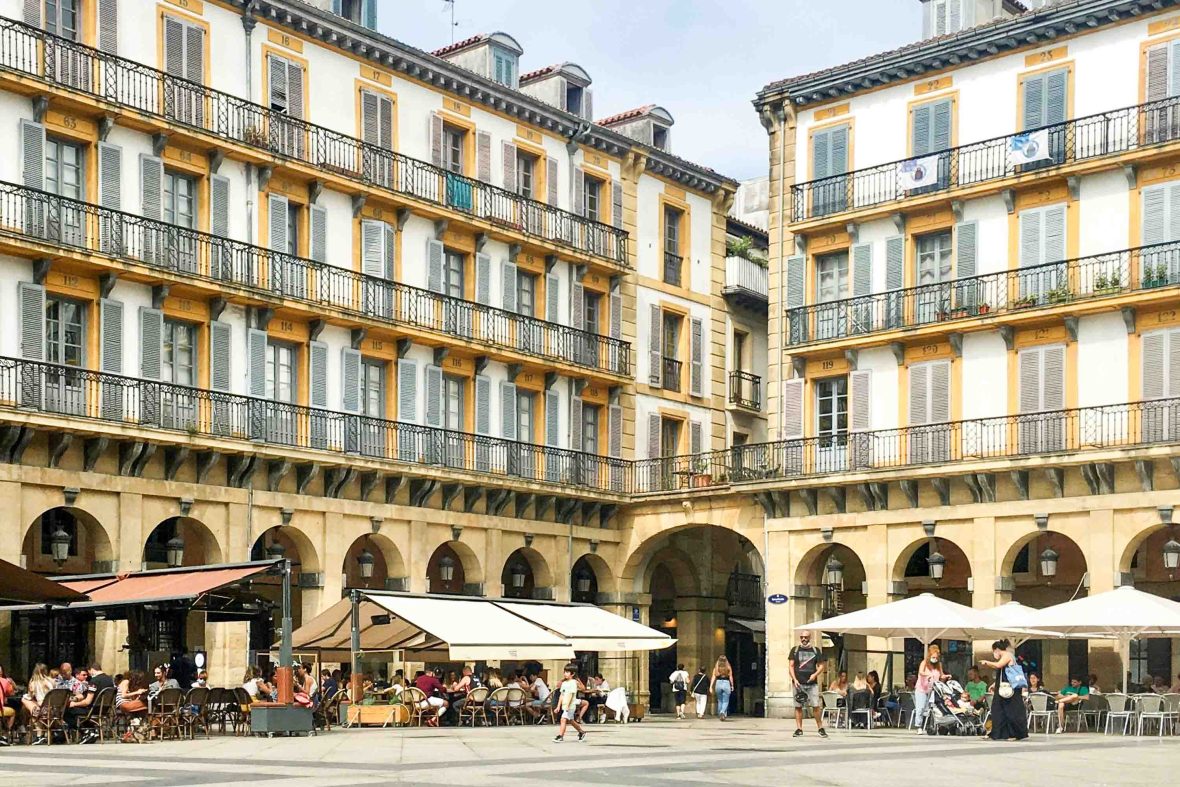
918 173
1028 147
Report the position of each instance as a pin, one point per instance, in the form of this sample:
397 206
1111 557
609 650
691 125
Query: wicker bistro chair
195 712
100 716
498 704
1152 710
415 698
239 710
216 706
475 707
165 714
326 711
50 717
1119 706
517 700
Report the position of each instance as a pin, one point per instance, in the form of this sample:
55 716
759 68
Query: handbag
1005 690
801 696
1015 676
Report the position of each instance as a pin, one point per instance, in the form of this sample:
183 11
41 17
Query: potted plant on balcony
1060 294
744 248
983 308
1105 284
254 136
1027 302
1155 275
700 476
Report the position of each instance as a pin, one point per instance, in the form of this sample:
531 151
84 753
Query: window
659 138
831 277
453 265
293 211
831 409
526 403
184 57
280 372
669 436
61 18
1046 103
673 260
351 10
504 67
180 201
178 364
589 426
526 293
740 439
453 403
65 329
573 98
63 168
593 304
372 388
525 173
739 350
592 193
933 268
453 139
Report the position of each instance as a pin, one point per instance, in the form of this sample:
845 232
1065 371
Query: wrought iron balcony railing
744 590
1016 436
87 394
1081 139
1039 286
670 381
33 52
40 216
673 269
745 390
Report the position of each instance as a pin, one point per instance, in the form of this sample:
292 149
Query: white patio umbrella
924 618
1124 613
1013 617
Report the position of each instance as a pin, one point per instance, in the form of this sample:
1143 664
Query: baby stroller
950 714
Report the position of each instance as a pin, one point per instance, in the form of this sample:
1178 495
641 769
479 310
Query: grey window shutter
1056 94
920 123
579 192
940 392
1034 101
509 155
174 46
1155 205
966 249
110 176
1031 247
821 154
1174 69
276 68
552 298
151 186
483 156
194 44
1157 73
483 404
1055 234
1030 380
614 416
895 262
654 449
508 285
219 205
616 315
1053 378
1154 355
860 416
111 313
551 180
373 248
256 358
434 395
655 357
616 204
32 137
508 412
793 409
389 247
552 422
220 338
862 270
317 374
277 212
295 90
697 357
576 425
696 437
483 279
940 132
919 394
385 123
32 12
32 321
151 338
434 265
577 305
436 139
796 282
350 380
370 117
108 25
407 391
587 103
318 232
839 150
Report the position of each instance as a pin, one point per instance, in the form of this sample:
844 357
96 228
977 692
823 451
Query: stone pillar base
780 706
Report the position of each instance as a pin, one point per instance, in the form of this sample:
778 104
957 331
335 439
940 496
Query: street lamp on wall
936 564
1171 555
276 551
59 545
582 580
446 568
1049 562
175 551
517 575
365 563
834 573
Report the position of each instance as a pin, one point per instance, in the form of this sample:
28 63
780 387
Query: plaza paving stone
656 752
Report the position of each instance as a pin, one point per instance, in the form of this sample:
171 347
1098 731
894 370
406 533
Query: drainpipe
781 117
575 139
248 23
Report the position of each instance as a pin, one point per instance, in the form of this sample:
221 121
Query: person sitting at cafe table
81 698
540 691
131 697
1074 693
429 684
976 689
461 688
163 681
258 689
65 677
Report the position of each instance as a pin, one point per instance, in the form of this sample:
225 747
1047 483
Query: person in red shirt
432 687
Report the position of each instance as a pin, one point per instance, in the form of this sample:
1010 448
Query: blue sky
703 60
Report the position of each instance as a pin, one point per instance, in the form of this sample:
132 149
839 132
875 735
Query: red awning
19 584
169 585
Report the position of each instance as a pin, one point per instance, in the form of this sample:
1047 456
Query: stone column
628 670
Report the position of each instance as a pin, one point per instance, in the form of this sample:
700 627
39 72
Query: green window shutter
220 337
318 232
317 374
256 358
508 412
821 154
407 391
111 316
434 396
32 321
839 150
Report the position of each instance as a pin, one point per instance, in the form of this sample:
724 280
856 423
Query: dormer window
573 99
659 138
504 67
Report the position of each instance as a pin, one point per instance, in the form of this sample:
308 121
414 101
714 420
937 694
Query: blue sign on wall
635 614
777 598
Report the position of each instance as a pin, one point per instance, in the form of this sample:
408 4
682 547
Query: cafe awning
587 627
21 585
426 628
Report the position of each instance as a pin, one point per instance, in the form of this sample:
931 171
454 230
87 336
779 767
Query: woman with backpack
1008 719
679 681
700 691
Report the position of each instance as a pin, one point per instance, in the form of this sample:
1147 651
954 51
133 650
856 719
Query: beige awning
588 627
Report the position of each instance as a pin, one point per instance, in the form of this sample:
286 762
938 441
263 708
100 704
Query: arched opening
1147 562
454 569
938 566
526 574
590 576
180 541
282 541
67 540
374 562
839 574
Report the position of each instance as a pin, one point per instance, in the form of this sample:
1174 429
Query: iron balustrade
745 390
670 381
673 268
40 216
1027 435
744 590
84 393
1081 139
745 275
1052 284
33 52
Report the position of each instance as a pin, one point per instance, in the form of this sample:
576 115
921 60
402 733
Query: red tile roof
540 72
628 115
455 47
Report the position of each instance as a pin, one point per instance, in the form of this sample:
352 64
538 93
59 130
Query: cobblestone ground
654 752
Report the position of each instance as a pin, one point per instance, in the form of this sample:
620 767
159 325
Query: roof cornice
416 64
936 54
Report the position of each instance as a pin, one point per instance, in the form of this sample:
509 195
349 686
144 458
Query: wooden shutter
862 270
174 46
1158 73
552 298
829 150
483 404
436 139
508 275
219 205
653 436
941 126
895 262
194 46
576 425
151 186
1054 224
656 371
434 265
220 338
1155 215
32 154
929 393
407 390
151 340
1056 97
1161 364
508 413
966 249
614 415
110 176
509 160
32 321
920 125
616 314
579 192
1034 101
256 358
577 305
111 315
385 123
1053 378
317 374
552 414
697 357
1031 246
551 180
793 409
930 127
434 396
587 103
696 437
32 12
373 248
277 214
370 117
483 156
919 394
616 204
1030 380
860 415
796 282
483 278
276 68
317 231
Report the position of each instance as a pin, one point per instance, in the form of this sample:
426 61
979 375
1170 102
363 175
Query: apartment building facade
973 308
276 284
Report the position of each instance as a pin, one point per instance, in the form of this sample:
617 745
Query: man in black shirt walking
806 667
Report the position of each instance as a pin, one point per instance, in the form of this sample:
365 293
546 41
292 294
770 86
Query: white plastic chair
1151 709
1094 709
868 711
616 702
1119 707
1172 709
1039 709
833 713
